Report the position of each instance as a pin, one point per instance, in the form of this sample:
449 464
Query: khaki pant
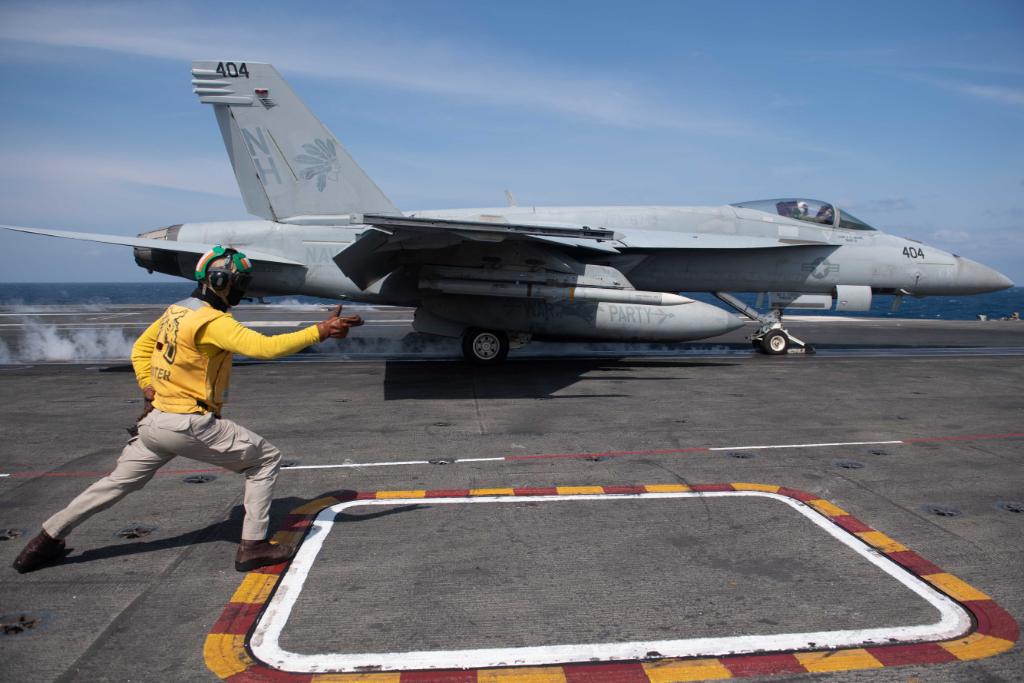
200 437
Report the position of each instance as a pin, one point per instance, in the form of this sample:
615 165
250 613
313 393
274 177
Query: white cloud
919 63
47 167
388 57
993 93
997 69
952 236
882 205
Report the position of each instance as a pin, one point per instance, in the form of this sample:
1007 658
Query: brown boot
40 551
253 554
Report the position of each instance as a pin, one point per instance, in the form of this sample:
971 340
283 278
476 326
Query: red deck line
23 475
550 456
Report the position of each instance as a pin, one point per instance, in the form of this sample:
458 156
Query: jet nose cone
975 278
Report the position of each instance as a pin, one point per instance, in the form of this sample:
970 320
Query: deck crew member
183 364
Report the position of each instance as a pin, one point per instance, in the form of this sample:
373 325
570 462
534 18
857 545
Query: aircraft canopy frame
813 211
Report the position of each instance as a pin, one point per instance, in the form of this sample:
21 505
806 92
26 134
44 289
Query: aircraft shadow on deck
539 379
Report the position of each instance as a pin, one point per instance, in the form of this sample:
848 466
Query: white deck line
398 463
954 619
803 445
357 464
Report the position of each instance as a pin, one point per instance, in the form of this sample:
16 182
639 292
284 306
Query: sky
908 114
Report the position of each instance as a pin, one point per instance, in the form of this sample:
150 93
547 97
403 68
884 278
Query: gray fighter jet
499 277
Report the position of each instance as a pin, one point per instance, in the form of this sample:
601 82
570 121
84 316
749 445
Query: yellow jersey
186 355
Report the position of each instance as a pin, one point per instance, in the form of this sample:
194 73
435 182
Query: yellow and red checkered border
995 630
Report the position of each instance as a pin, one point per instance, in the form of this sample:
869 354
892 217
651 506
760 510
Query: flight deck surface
551 503
91 332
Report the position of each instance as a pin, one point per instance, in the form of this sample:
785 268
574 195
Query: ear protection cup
219 279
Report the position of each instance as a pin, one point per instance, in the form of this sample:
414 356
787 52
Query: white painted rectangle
953 621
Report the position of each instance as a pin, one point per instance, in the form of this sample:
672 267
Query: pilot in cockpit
826 214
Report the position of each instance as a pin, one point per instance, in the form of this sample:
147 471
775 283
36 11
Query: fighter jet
499 277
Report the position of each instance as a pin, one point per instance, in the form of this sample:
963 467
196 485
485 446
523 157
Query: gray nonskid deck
141 609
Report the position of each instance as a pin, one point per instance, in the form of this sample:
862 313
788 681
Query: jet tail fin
289 166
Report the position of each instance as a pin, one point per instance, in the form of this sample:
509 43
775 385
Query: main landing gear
771 338
484 347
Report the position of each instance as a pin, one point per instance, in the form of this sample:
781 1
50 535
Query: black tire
484 347
775 343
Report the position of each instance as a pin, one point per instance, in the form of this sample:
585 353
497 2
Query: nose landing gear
776 342
771 338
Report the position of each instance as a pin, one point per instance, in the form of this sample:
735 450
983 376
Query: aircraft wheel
484 347
775 343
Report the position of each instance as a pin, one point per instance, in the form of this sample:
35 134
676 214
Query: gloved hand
148 394
336 326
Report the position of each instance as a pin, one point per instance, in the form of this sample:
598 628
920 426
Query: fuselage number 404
913 252
232 70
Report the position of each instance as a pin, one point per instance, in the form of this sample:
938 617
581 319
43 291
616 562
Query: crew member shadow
229 530
524 378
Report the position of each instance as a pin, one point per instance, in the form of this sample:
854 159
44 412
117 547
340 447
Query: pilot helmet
801 208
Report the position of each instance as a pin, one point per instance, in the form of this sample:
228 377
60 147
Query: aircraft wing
487 231
575 235
166 245
373 254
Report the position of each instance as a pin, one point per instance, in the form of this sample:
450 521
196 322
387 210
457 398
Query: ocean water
995 305
105 293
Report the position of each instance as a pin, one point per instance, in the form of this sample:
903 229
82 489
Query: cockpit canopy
810 210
